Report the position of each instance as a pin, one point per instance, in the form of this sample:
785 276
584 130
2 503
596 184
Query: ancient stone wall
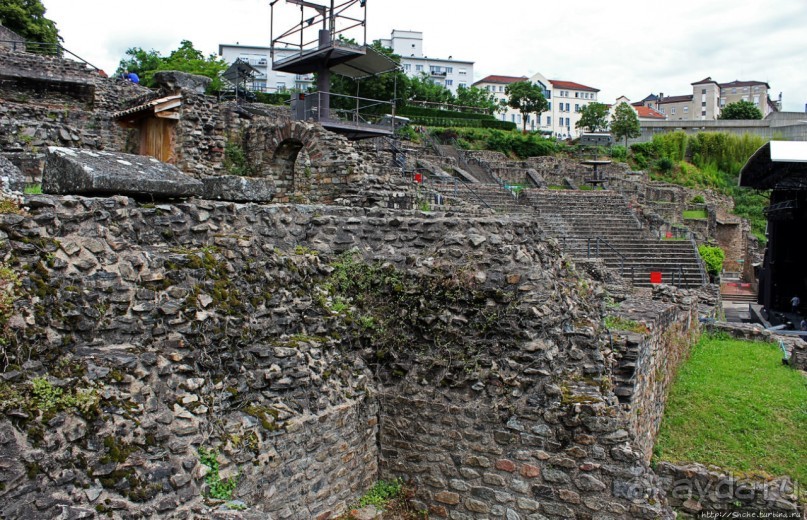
242 328
696 489
10 40
648 361
555 169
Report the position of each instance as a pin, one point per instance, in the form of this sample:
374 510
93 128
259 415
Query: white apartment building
448 72
565 98
266 80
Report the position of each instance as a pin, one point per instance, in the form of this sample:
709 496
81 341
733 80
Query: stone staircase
600 224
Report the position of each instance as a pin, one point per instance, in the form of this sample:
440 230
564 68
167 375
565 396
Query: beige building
709 97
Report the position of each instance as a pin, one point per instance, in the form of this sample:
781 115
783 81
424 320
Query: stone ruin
317 343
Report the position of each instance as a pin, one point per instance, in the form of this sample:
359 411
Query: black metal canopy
777 165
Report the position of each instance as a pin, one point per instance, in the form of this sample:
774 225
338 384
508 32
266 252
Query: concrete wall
773 127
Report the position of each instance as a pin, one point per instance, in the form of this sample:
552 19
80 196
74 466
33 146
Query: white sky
623 47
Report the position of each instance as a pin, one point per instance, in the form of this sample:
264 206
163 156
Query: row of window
580 95
435 69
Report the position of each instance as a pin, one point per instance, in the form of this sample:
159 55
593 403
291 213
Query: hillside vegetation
708 160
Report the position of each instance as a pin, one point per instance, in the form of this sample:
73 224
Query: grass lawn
698 214
734 405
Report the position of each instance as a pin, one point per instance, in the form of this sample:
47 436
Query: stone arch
283 160
286 144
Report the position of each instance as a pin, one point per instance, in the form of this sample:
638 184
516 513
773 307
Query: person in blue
133 77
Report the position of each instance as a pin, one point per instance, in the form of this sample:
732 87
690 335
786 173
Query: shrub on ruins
512 144
713 258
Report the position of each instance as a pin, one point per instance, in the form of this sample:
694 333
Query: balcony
439 73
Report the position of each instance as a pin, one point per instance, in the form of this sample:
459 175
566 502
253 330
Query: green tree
186 58
527 98
477 98
422 88
593 117
741 110
27 18
625 122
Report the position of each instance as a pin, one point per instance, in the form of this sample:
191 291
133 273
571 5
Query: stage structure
323 41
781 166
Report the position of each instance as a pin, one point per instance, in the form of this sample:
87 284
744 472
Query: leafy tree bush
664 164
185 58
527 98
713 258
740 110
593 117
512 144
27 18
619 153
625 122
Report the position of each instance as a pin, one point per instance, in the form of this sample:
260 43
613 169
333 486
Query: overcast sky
627 47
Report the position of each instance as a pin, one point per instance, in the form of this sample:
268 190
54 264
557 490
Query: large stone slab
233 188
86 172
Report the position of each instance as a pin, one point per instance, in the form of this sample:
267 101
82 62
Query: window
672 111
576 94
703 103
662 110
463 72
419 68
722 102
734 90
703 113
548 120
549 106
407 67
449 82
686 109
576 107
463 85
281 86
703 91
449 70
567 109
501 88
756 100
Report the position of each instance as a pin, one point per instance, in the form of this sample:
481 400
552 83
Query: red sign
655 276
669 234
418 177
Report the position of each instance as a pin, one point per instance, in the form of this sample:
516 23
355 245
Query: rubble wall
244 329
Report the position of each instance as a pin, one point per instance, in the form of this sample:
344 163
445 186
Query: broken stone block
85 172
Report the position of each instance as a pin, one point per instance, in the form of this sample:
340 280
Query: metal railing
622 258
47 49
320 107
457 187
